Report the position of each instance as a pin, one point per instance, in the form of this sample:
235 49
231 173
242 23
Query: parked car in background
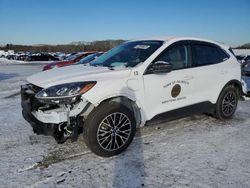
243 58
41 57
68 61
6 53
71 54
133 84
21 55
3 53
240 58
17 56
24 56
11 52
245 68
89 58
244 61
60 55
11 57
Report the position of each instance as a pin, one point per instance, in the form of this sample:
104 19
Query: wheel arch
235 83
219 112
130 103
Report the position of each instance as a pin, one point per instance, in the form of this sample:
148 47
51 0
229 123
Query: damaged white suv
131 85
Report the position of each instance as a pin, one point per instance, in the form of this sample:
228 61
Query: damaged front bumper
46 118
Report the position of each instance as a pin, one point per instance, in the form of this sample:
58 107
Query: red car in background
68 61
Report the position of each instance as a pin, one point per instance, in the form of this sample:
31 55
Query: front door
169 91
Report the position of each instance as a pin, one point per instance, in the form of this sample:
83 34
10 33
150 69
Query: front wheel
227 103
109 129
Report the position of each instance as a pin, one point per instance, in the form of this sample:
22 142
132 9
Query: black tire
227 103
109 122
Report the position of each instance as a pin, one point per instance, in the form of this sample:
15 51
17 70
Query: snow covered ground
197 151
18 62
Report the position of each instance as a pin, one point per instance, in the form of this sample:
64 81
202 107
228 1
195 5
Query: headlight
64 93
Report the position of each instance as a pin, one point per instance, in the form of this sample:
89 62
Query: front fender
132 98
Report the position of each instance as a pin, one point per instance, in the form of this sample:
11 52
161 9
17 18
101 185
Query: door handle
188 77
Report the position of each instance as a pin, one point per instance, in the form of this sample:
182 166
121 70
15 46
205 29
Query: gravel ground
198 151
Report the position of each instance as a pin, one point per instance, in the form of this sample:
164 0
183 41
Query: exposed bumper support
59 115
51 116
39 127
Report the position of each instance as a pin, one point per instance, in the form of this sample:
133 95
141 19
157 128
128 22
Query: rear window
208 55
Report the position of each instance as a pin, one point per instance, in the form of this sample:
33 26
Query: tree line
104 45
244 46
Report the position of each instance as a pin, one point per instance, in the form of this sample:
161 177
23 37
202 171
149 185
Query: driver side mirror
159 67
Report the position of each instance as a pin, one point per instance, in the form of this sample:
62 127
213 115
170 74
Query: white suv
132 85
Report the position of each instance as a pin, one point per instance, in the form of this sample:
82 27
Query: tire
227 103
109 129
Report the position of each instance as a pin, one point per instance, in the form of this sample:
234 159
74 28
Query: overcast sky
64 21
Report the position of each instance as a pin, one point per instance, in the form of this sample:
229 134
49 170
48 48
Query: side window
208 55
178 56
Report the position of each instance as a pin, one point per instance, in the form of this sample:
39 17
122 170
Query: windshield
128 54
89 58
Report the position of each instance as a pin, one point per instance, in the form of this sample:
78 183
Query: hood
76 73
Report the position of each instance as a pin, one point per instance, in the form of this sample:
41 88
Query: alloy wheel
114 131
229 103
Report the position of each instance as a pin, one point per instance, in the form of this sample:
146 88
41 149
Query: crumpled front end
52 119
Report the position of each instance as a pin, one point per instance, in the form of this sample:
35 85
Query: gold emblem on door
176 90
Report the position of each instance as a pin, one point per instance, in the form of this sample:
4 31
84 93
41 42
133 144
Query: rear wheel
109 129
227 103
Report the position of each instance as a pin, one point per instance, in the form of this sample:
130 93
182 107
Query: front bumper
51 116
39 127
27 97
45 118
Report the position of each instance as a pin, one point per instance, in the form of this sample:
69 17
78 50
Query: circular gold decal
176 90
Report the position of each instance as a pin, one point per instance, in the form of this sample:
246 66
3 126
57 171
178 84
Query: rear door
209 69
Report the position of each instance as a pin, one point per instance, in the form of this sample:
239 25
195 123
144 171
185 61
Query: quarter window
207 55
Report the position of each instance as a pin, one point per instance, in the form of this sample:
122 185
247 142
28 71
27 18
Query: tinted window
177 56
207 55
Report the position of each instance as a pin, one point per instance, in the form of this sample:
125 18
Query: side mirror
159 67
